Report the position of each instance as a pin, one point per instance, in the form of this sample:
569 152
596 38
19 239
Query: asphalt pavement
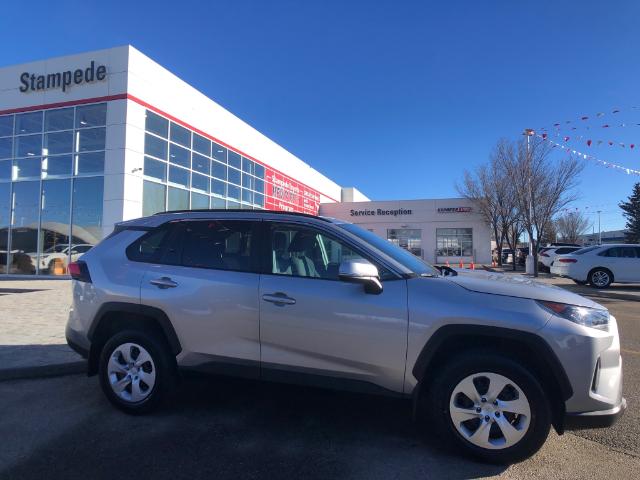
222 428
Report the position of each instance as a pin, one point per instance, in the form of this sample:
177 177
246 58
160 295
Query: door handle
278 298
163 282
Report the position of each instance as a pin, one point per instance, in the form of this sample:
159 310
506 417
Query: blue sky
394 97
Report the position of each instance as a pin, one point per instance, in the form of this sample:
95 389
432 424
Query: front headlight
589 317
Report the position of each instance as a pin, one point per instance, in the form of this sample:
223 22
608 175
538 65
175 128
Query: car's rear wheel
136 371
491 406
600 278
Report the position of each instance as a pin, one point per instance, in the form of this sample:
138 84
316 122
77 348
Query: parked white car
61 252
547 255
600 265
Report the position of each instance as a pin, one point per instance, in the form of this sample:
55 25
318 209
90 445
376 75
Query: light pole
599 231
529 262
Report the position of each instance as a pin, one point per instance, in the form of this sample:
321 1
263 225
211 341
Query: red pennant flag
588 143
631 145
610 143
544 136
566 139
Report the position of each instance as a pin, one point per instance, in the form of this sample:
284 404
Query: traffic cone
447 263
472 266
461 264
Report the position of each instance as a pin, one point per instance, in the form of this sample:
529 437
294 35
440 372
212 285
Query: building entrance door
408 238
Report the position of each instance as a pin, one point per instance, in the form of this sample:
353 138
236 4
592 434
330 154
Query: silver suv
491 360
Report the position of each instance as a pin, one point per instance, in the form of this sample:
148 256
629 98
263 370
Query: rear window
565 250
148 248
216 244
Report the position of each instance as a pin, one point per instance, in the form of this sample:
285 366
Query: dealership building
439 231
92 139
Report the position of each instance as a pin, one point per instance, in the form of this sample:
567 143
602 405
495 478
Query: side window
304 252
628 252
147 248
218 244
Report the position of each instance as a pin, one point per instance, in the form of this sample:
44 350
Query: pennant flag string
628 171
585 118
590 141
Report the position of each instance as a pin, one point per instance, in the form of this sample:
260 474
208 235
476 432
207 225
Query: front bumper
598 419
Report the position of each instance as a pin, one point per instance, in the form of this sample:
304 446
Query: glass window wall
51 187
210 174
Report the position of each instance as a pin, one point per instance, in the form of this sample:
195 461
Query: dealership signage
64 80
380 212
454 209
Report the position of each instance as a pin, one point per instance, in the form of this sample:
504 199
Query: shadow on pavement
227 428
28 361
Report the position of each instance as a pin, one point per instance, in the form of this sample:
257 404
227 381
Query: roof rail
242 210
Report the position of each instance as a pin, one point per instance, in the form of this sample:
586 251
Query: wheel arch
528 348
116 316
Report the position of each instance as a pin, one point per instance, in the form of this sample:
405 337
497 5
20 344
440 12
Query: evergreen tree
631 211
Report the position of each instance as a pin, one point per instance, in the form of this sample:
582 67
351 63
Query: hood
519 286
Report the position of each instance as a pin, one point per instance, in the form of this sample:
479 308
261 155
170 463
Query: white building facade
92 139
439 231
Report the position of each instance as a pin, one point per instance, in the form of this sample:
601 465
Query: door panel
214 312
335 328
310 321
204 277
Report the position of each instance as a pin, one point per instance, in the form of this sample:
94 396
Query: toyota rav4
492 360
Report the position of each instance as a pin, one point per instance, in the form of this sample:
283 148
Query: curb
43 371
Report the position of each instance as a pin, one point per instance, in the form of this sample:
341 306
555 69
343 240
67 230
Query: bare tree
488 188
543 186
513 234
571 225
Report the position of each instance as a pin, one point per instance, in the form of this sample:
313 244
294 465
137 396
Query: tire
147 382
455 415
600 278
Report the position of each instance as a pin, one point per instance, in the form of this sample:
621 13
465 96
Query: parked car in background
600 265
483 357
49 257
547 255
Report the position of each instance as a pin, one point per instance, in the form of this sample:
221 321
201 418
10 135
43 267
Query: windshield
400 255
585 250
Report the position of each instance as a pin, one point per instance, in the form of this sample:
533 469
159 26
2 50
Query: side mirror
447 271
361 271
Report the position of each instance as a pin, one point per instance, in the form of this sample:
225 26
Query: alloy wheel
490 411
131 372
600 278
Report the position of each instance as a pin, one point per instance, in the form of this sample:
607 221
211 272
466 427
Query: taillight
567 260
79 271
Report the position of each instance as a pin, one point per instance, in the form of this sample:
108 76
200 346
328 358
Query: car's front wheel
600 278
491 406
136 371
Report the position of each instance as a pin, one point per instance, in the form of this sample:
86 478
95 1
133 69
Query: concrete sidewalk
33 314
